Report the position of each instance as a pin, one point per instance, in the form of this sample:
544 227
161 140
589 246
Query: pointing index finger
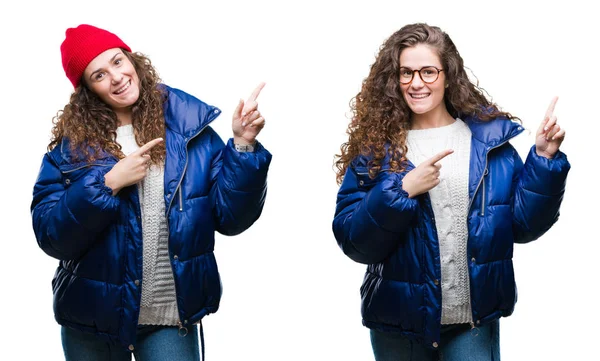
441 155
550 110
151 144
256 92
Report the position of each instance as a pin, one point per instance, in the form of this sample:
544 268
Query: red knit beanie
82 44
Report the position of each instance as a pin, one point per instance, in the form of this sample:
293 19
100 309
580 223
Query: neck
435 118
123 116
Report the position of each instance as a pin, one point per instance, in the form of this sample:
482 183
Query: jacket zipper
182 330
481 181
180 201
185 165
483 193
486 168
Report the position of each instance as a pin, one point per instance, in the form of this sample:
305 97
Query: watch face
244 148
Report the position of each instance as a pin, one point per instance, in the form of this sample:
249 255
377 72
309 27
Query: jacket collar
493 132
186 114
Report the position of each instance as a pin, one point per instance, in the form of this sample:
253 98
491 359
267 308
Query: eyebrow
423 67
111 60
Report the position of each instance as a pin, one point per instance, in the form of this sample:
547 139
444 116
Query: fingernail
243 124
545 128
243 114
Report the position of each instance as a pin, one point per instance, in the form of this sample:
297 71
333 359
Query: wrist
110 182
544 154
242 141
407 189
243 146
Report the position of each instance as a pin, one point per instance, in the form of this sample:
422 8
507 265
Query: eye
405 72
99 76
118 61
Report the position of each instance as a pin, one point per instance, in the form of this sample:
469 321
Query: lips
122 89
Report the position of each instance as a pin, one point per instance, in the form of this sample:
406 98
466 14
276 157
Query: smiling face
112 77
423 98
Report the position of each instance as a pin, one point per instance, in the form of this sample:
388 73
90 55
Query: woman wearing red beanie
128 198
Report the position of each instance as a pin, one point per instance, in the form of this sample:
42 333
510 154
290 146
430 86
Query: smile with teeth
419 96
123 88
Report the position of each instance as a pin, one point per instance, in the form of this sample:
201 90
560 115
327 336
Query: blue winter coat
377 224
98 237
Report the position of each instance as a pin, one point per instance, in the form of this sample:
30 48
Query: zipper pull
182 332
474 330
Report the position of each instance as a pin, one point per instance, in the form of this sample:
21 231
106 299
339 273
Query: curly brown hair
381 118
90 125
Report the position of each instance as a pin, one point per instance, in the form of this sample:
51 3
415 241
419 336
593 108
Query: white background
289 292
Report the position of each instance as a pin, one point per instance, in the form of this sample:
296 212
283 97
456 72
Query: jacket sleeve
67 216
368 222
239 186
538 189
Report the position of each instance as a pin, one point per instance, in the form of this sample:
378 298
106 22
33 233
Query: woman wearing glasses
433 197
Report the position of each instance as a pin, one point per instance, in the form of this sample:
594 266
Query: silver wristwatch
244 147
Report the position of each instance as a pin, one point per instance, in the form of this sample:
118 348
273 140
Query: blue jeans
154 343
457 343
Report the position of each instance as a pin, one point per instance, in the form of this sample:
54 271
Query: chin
420 110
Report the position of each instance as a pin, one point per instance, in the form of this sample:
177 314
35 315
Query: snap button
361 182
67 181
137 282
478 322
436 282
130 347
216 111
473 259
435 345
175 257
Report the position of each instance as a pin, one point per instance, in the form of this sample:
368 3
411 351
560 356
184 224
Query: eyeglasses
428 74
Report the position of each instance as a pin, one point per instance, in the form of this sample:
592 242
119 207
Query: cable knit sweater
158 304
450 202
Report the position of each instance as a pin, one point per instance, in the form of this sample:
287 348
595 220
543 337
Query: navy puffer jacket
98 238
377 224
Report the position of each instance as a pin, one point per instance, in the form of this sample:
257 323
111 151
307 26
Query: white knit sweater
158 305
450 202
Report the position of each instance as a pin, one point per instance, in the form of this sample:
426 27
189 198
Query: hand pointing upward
247 120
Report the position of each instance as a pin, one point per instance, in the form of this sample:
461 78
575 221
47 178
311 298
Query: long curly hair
381 116
90 125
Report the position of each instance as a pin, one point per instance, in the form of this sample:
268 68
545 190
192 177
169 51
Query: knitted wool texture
158 304
450 202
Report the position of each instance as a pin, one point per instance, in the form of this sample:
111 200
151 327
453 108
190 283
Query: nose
116 76
417 82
